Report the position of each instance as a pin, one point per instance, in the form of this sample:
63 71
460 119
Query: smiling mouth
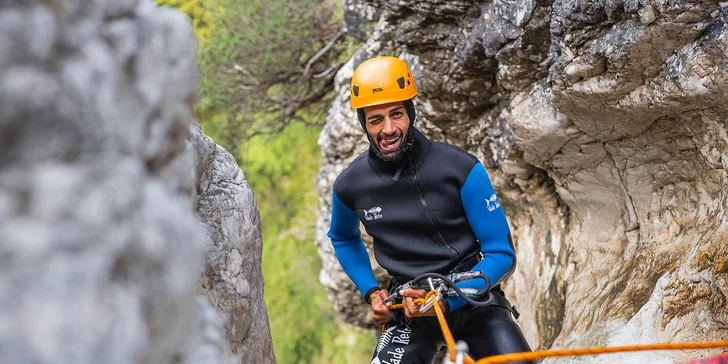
391 144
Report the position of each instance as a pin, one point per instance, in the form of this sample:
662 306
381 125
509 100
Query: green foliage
282 170
265 63
268 63
254 56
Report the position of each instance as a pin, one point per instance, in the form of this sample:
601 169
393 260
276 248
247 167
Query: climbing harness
446 285
441 285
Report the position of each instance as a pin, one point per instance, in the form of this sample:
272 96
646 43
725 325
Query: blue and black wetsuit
436 211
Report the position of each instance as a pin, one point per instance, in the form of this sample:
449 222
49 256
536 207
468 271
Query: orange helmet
381 80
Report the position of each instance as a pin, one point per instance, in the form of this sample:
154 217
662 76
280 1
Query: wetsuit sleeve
349 248
488 221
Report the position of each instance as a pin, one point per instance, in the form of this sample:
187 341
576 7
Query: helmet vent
356 90
400 82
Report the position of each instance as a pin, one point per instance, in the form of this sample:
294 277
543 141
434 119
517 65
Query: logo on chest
373 213
492 203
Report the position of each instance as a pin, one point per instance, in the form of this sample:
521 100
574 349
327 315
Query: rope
534 355
446 333
449 339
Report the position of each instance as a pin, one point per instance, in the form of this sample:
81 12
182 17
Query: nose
388 128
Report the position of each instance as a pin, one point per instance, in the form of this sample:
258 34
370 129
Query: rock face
603 127
232 278
101 250
358 15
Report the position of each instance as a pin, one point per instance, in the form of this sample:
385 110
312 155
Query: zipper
429 218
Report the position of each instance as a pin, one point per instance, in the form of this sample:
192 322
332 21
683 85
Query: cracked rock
603 128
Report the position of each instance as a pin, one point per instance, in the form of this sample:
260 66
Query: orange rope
449 339
534 355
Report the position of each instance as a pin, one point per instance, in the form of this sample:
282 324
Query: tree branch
323 50
334 67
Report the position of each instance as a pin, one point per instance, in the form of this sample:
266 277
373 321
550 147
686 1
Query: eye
397 114
374 121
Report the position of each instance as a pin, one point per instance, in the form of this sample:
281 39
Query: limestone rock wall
232 277
603 127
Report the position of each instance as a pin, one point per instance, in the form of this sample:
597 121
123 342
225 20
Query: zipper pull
399 171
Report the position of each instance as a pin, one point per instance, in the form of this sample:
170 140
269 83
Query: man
430 208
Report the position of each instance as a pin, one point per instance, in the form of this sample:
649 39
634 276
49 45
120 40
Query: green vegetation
269 63
282 171
261 86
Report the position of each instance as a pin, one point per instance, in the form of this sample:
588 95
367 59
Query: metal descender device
442 287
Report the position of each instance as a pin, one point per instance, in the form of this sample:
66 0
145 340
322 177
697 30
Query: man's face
387 124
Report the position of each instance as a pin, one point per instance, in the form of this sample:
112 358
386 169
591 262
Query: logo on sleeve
373 213
492 203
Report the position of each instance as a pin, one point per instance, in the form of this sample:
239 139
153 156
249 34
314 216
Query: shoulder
352 172
459 160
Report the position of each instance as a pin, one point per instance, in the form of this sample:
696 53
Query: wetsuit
435 211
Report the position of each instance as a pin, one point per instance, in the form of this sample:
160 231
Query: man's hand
380 312
412 309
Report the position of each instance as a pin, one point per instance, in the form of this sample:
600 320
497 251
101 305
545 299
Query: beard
392 157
